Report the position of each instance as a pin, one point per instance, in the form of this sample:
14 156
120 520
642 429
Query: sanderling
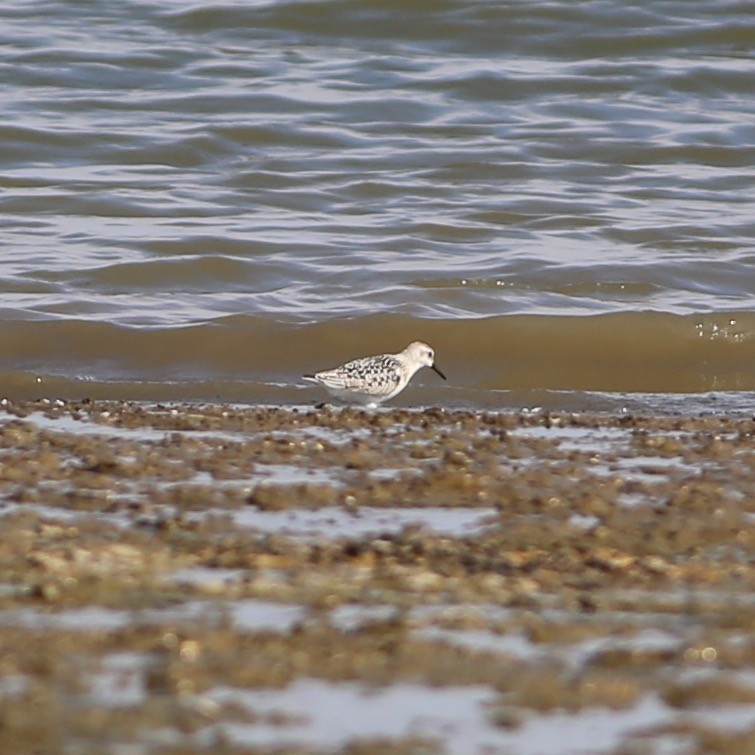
372 380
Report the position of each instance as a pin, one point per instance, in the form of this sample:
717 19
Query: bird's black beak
435 369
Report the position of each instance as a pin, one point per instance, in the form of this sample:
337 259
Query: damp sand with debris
181 578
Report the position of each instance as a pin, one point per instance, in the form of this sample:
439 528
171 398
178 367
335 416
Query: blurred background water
203 200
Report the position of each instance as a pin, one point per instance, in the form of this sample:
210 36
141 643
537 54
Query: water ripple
168 163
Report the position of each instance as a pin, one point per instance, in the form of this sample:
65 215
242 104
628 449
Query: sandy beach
178 577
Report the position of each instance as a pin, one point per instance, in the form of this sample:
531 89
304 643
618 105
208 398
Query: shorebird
372 380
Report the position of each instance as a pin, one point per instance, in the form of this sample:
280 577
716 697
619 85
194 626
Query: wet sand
184 578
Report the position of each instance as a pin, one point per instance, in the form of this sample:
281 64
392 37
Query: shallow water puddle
349 618
252 614
651 468
62 514
89 619
323 715
13 685
592 730
87 425
592 440
461 719
119 682
292 474
326 523
326 715
208 579
335 522
103 423
513 644
249 614
573 654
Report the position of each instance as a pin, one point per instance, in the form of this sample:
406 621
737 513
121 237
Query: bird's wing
376 375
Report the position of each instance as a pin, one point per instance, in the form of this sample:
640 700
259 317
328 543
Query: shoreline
177 574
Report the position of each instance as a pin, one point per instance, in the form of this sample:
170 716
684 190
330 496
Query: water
205 200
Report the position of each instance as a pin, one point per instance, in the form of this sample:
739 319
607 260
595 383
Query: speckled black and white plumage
372 380
377 376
